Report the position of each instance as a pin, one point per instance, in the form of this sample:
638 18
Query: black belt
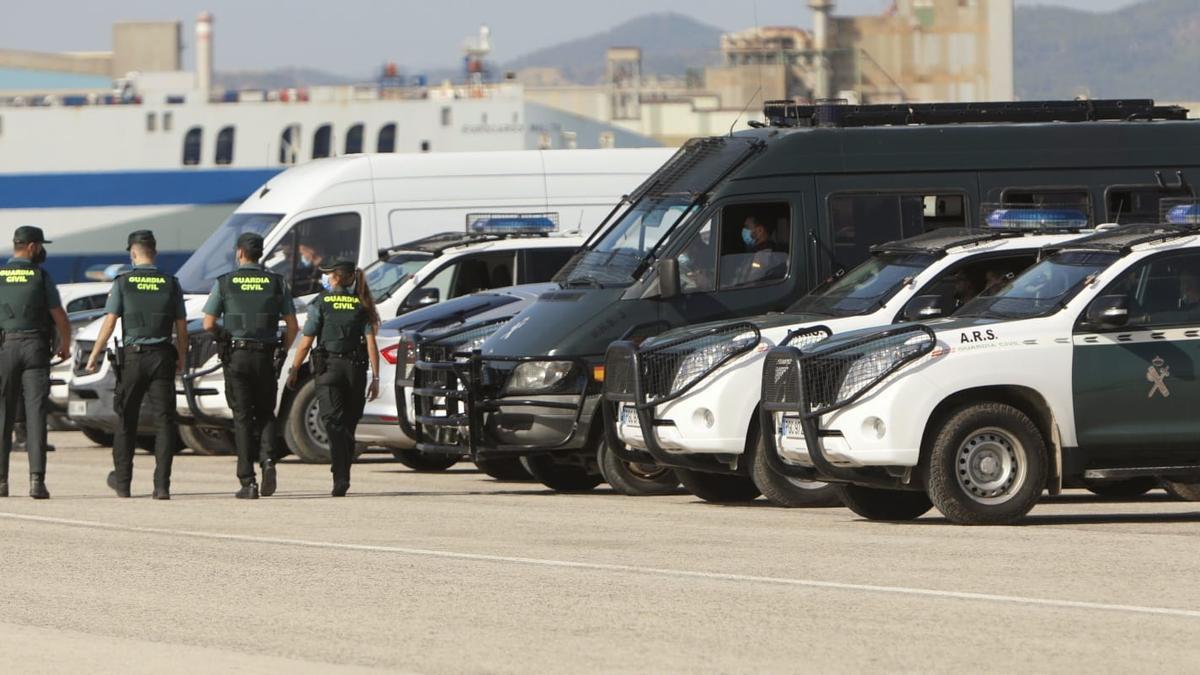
138 349
26 335
253 345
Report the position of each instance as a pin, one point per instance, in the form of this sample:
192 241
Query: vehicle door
312 241
742 260
1135 387
536 265
958 284
463 275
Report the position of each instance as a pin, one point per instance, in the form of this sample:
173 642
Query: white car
1079 373
695 404
82 302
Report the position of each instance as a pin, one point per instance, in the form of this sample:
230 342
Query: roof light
512 223
1184 214
1031 218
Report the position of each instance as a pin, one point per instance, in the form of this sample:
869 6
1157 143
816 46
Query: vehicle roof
69 292
451 243
1126 238
351 178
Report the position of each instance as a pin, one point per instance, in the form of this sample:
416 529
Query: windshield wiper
583 281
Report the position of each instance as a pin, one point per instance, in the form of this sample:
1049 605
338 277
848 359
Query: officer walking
252 301
149 304
342 319
29 302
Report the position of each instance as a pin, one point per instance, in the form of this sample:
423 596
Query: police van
1081 372
351 207
744 224
688 399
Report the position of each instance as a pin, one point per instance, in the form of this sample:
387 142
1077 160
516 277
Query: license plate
629 416
76 408
791 428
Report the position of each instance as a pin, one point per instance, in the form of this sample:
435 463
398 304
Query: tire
208 440
98 436
881 504
303 432
987 465
635 480
425 461
504 469
1188 492
719 488
560 477
1124 489
786 491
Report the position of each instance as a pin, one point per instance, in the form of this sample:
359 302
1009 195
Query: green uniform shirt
116 305
53 300
312 322
215 305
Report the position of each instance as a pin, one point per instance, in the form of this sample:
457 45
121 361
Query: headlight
537 376
700 361
876 363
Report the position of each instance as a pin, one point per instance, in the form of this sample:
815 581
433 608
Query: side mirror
1109 310
668 278
925 307
423 297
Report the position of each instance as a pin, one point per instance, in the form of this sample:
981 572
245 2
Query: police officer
29 301
342 319
149 304
252 301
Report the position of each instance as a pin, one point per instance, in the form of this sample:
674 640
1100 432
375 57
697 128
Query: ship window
387 139
150 121
424 146
191 146
321 141
167 118
225 146
289 145
446 116
354 139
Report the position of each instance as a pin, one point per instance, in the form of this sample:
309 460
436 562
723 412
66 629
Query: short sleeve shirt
312 321
116 305
215 305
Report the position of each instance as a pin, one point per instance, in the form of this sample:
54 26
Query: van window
754 244
87 302
322 141
289 144
312 242
354 139
541 264
191 146
1140 203
387 138
1073 197
225 146
697 262
859 221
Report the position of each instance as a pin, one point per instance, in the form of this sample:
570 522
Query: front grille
666 370
781 379
83 350
201 348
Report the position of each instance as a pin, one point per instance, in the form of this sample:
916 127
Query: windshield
216 255
385 276
614 257
1043 289
865 287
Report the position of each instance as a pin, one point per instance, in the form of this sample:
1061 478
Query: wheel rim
313 424
806 484
990 466
646 471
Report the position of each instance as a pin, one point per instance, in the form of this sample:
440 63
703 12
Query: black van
743 224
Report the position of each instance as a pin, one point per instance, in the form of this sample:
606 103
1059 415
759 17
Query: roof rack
940 240
1125 238
838 113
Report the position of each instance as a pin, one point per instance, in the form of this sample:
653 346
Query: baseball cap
340 263
28 234
141 237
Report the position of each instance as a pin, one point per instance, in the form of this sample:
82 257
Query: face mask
326 282
39 257
747 237
306 261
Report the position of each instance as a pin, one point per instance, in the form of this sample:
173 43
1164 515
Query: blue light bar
512 223
1037 219
1184 214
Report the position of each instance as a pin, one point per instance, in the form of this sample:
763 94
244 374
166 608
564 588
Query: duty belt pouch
320 361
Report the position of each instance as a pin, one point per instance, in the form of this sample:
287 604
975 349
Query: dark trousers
250 388
24 377
151 373
341 394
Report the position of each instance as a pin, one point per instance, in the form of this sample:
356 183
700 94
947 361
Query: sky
354 37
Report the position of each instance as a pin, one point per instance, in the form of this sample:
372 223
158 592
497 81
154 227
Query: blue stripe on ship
130 188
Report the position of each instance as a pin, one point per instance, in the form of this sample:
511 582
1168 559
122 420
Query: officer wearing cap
342 320
252 301
29 303
149 304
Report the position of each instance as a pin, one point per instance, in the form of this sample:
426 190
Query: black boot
340 487
248 491
162 492
116 487
268 472
4 486
37 486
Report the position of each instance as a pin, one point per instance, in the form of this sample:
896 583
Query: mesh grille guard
817 382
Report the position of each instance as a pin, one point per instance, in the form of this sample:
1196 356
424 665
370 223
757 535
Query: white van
354 206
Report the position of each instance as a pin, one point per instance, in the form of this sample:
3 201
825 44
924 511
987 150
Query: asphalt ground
455 572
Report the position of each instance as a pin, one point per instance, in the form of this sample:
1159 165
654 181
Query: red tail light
389 353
